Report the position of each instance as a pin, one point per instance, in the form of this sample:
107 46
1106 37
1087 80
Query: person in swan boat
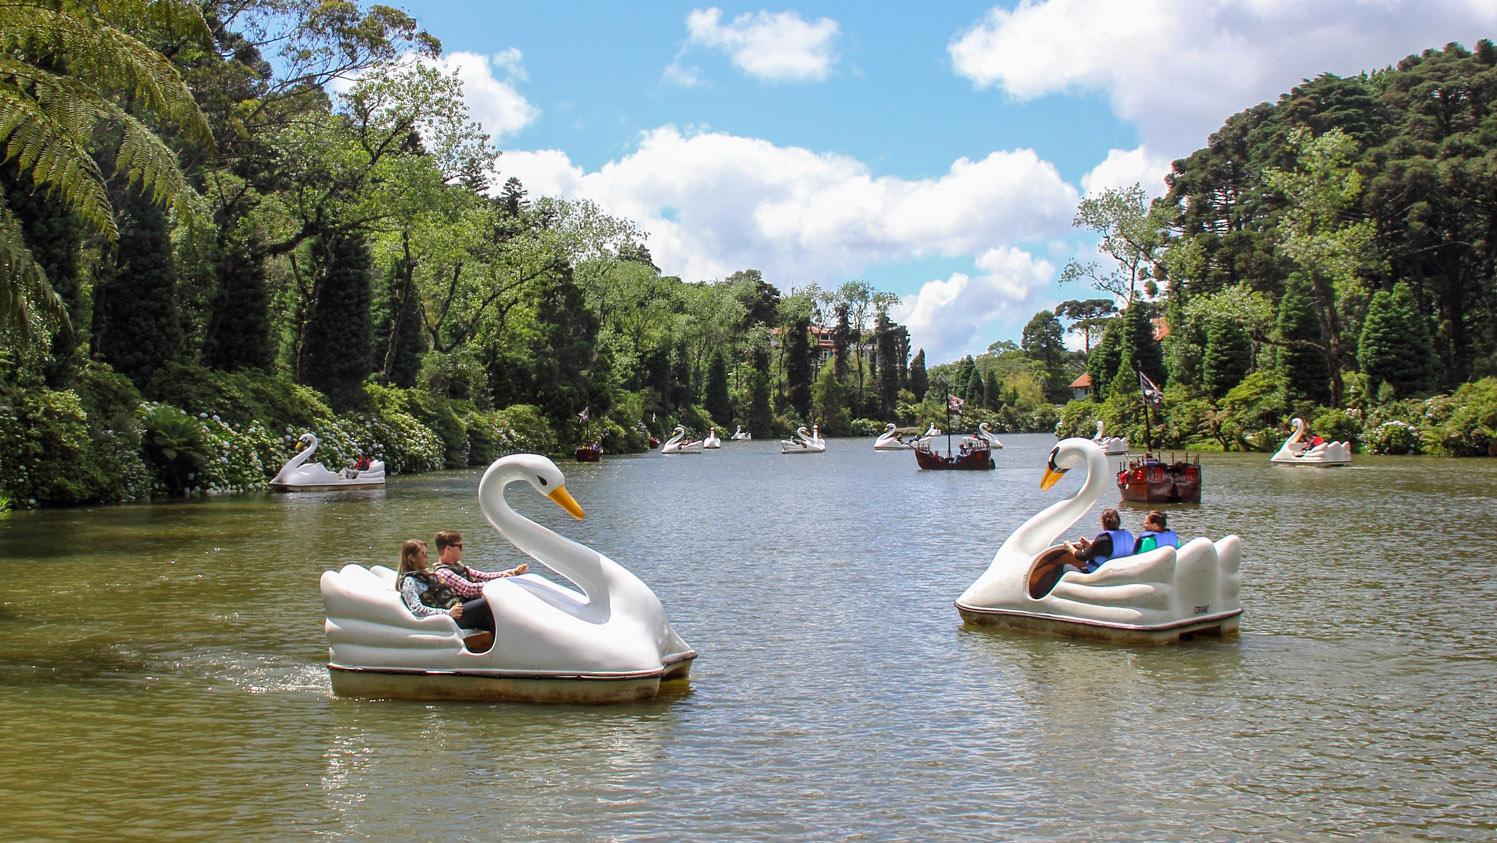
1155 534
1111 543
425 594
466 582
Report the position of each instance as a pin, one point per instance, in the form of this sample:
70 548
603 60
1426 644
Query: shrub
525 429
46 446
1077 418
1465 424
175 447
867 427
1393 437
1336 425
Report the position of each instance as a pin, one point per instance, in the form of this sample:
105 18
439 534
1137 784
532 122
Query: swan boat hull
1326 456
1223 625
1148 480
328 487
600 688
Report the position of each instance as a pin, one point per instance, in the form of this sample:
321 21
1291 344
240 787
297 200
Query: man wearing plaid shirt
467 582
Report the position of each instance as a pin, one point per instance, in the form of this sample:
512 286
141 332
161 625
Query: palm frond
24 291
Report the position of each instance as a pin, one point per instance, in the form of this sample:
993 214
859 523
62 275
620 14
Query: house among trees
1081 387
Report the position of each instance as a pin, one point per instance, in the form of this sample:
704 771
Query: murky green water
162 668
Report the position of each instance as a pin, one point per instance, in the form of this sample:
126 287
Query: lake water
163 667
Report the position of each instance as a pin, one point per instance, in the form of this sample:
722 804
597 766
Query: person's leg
477 615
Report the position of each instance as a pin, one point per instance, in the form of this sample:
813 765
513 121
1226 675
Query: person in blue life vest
1111 543
1156 534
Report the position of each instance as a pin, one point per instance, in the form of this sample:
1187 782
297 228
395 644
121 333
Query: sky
935 151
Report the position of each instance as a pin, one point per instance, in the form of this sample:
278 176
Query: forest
223 224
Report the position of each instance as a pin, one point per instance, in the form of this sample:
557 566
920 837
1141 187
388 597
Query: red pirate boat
1149 479
973 454
590 453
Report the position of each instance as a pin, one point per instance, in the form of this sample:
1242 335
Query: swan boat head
602 638
1151 597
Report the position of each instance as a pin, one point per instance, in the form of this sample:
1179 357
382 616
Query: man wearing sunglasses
467 582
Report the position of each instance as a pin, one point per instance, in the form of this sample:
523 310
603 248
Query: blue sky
935 151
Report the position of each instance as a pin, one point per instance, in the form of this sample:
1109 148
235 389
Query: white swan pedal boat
1296 451
1158 597
607 640
679 444
713 441
992 439
804 442
1111 445
298 475
892 439
740 434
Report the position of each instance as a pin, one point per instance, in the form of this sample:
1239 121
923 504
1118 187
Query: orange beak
1051 475
563 499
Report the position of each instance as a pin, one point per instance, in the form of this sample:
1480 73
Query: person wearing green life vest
1156 534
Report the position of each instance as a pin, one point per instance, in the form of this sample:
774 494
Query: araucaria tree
1301 365
1394 349
335 354
137 328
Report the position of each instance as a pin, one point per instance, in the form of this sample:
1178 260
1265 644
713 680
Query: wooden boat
590 453
1148 479
972 455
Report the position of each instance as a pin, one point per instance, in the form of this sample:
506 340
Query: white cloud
964 314
714 204
1126 167
493 102
778 47
1179 68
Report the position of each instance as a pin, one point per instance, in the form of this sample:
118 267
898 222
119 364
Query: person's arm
485 576
410 592
1100 546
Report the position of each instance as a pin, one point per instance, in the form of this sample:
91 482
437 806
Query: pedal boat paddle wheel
1159 597
1148 479
607 640
298 475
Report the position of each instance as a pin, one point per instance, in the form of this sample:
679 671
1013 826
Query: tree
1104 361
715 393
238 335
1303 373
1227 358
335 353
1130 236
137 327
54 110
1088 317
890 363
1139 352
1043 341
798 368
918 381
760 415
400 340
1395 347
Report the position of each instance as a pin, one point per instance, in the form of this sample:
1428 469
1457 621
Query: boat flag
1153 396
954 403
582 416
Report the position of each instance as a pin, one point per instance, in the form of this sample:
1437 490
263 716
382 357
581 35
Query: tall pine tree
1395 346
1227 357
919 381
1301 364
238 335
336 351
137 327
715 394
798 368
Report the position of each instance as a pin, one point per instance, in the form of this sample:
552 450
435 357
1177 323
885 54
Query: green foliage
174 446
865 427
1301 364
1106 359
1227 358
1336 425
46 442
336 352
919 383
715 392
1394 348
239 334
525 429
798 377
830 404
241 398
1250 413
1045 344
1077 418
138 327
1464 424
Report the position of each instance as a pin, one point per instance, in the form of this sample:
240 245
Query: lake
163 667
